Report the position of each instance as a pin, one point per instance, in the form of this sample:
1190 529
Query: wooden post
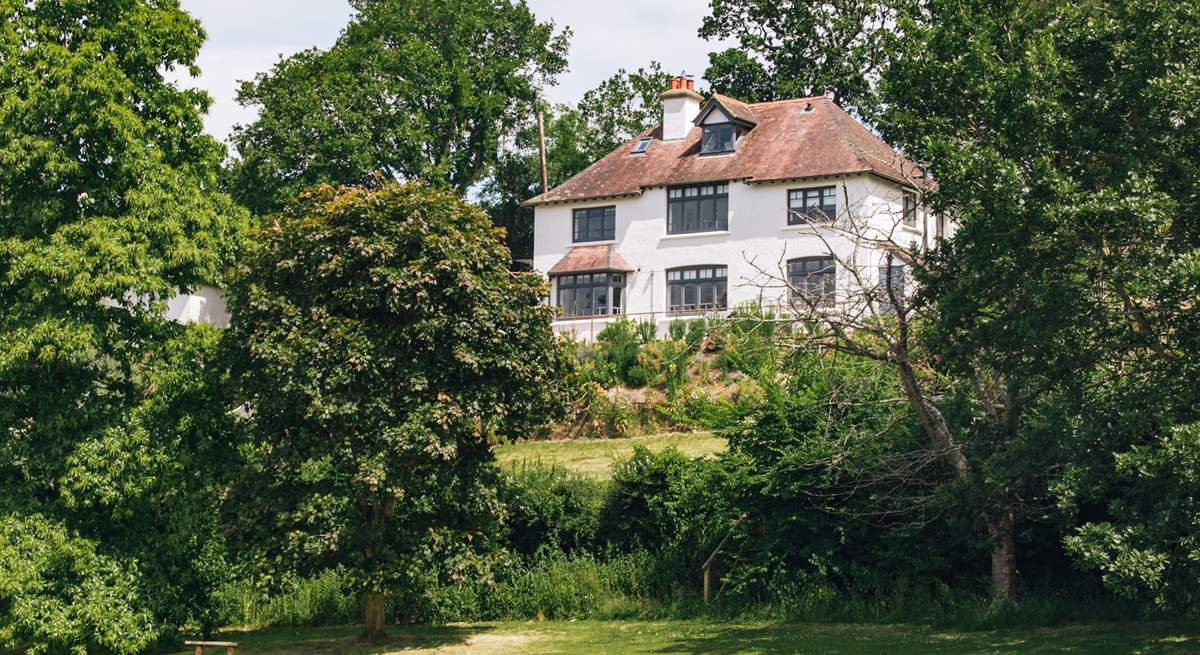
708 563
542 151
199 649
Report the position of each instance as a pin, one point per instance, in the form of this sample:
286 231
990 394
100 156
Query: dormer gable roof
737 111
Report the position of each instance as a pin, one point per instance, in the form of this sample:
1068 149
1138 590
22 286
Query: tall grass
323 600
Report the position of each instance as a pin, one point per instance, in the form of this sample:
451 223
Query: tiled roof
737 110
793 139
582 259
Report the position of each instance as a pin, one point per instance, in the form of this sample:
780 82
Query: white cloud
248 37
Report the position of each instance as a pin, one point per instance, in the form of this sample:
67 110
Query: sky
246 37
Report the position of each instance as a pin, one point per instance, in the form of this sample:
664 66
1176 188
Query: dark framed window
591 294
720 137
698 208
910 209
813 278
595 224
697 288
815 205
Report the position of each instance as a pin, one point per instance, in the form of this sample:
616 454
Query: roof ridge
783 100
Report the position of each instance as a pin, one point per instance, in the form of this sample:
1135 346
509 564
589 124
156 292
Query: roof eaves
539 200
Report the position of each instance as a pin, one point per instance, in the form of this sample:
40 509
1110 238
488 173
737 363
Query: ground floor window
591 294
813 278
697 288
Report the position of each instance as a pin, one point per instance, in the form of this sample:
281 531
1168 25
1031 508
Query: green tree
620 107
791 49
607 116
1064 138
109 206
384 345
412 89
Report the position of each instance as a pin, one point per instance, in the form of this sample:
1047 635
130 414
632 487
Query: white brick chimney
681 104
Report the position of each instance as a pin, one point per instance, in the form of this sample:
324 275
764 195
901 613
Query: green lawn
720 638
595 457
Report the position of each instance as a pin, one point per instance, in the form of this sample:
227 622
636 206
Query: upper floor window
719 137
698 208
595 224
813 279
642 145
910 209
816 205
697 288
591 294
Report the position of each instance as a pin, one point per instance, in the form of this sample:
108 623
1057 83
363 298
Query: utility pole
542 150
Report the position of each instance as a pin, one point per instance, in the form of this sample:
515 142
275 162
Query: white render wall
204 305
758 240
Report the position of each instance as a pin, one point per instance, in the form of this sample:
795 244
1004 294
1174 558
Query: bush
58 595
551 508
615 355
747 341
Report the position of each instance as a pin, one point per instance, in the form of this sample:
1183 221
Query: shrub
746 341
616 354
664 364
551 508
58 595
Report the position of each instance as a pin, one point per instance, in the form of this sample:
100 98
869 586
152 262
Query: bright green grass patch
595 457
543 638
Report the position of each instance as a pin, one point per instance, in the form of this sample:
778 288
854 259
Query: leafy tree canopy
108 206
60 596
576 136
792 49
384 344
1064 136
415 89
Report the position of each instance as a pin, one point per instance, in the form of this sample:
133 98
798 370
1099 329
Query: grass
595 457
544 638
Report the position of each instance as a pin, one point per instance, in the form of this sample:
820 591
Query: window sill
693 235
586 319
807 227
601 242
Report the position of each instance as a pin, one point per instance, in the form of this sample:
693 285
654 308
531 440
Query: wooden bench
229 646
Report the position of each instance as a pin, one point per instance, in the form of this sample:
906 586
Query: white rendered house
726 203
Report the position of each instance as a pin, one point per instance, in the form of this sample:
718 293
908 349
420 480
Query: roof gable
735 111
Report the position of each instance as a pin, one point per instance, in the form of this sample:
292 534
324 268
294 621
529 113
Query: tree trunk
1004 559
374 615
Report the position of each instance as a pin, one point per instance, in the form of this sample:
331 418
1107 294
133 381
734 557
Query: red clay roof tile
737 110
793 139
582 259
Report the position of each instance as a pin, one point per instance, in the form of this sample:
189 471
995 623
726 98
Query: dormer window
725 121
642 145
720 137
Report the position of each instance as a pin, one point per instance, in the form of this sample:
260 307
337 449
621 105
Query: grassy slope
721 638
595 457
